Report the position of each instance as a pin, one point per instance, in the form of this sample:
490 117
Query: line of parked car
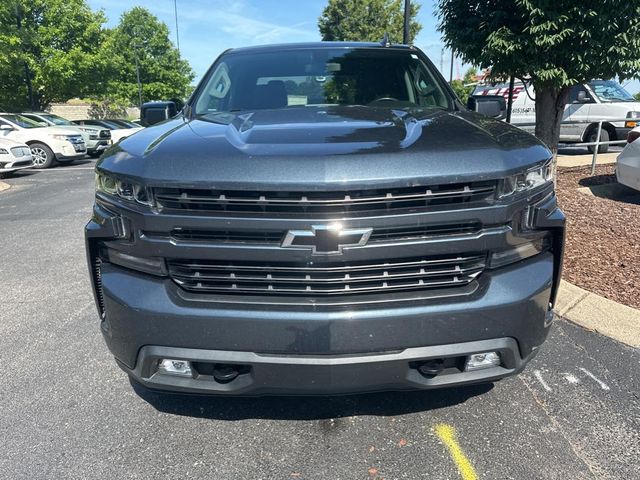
40 139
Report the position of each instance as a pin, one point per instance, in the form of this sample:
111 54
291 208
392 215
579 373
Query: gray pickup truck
324 218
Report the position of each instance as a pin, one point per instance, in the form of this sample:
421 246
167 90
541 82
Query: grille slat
329 280
275 237
333 203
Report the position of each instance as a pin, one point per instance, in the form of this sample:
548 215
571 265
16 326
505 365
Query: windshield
21 121
320 77
610 91
56 119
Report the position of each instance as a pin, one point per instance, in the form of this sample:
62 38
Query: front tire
43 156
604 137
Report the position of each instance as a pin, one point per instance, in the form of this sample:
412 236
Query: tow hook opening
221 372
433 367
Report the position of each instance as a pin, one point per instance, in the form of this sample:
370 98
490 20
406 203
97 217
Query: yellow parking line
447 435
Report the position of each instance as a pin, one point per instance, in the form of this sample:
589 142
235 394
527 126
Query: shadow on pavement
606 186
307 408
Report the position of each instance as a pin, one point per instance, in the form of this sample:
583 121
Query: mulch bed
602 252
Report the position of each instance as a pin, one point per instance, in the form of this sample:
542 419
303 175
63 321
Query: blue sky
208 27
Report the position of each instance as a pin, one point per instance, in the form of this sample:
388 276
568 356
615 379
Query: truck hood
324 147
61 130
72 130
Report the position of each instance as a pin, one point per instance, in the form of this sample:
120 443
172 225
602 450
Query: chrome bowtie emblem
326 239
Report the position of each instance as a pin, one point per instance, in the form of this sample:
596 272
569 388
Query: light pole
453 57
407 21
175 11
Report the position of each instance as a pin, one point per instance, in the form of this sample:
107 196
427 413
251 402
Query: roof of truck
316 45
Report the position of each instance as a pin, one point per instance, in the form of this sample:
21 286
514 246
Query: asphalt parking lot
68 412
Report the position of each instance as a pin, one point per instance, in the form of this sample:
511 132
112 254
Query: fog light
169 366
478 361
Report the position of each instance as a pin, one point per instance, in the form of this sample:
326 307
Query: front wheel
42 155
604 137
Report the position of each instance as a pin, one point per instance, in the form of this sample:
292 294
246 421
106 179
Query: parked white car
588 103
97 139
628 163
47 144
13 156
118 132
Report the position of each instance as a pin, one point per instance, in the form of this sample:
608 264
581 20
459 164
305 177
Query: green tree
637 96
48 51
140 39
464 87
554 44
367 20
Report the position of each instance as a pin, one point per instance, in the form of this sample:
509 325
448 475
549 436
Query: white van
590 102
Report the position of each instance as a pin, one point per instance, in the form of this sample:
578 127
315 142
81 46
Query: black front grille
105 134
335 203
328 279
382 234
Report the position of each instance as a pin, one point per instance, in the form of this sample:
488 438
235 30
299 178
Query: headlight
123 189
632 123
529 180
3 151
61 137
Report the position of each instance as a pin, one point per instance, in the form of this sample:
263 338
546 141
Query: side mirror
6 128
583 97
156 112
493 106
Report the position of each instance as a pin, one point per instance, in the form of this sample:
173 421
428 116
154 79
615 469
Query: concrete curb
599 314
567 161
4 186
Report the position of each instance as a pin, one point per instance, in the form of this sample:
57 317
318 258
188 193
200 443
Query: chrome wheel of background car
39 156
42 155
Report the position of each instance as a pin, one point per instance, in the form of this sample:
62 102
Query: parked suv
47 144
14 156
97 139
324 218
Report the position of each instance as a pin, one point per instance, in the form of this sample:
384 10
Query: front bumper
628 166
16 164
307 351
98 146
622 132
69 151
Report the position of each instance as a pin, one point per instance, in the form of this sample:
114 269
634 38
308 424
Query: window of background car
56 119
21 121
321 77
610 91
